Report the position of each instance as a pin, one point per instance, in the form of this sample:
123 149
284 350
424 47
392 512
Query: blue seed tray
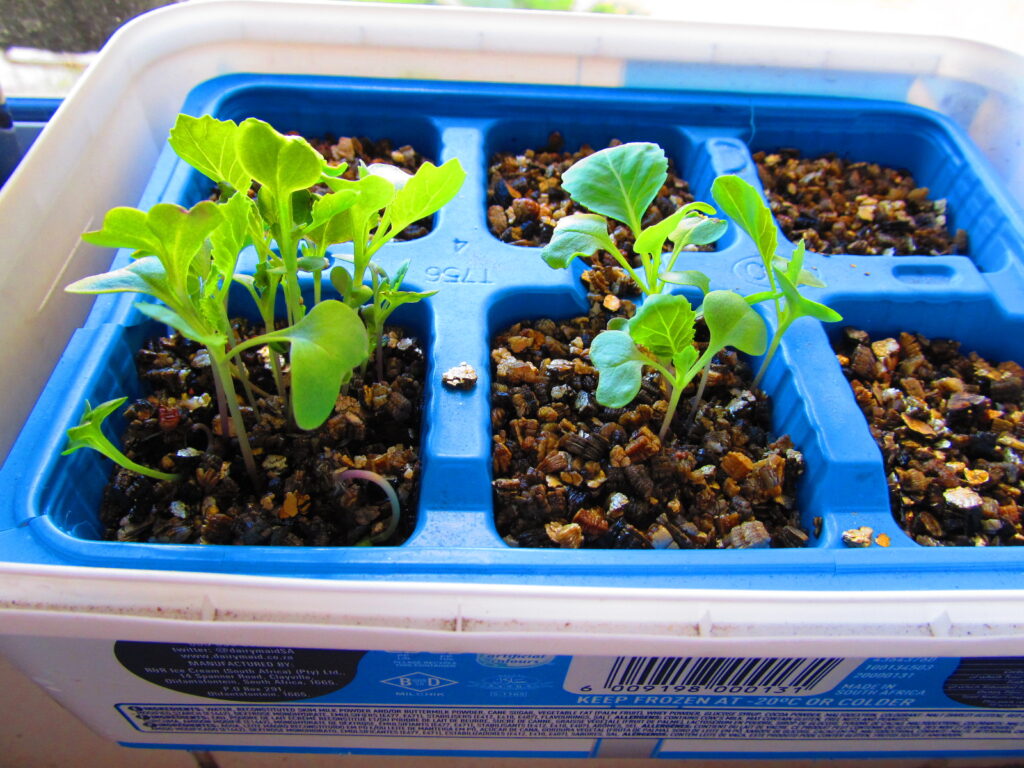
28 118
48 513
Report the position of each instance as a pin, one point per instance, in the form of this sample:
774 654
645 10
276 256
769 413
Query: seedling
661 335
293 228
744 205
384 485
178 263
186 261
388 200
89 434
619 183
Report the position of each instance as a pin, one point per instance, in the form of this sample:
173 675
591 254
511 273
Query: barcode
697 674
703 672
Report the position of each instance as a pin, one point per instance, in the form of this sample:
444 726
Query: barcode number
689 674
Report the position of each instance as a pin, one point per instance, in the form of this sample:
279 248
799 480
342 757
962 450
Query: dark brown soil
525 198
353 149
839 206
951 429
570 473
301 499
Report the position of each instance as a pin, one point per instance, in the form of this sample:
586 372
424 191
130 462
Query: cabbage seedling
661 335
744 205
89 434
186 261
620 183
176 263
388 200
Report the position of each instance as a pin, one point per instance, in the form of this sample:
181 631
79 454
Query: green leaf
394 299
211 147
342 282
328 225
168 316
426 192
89 434
620 366
794 268
757 298
302 207
698 230
124 228
734 323
619 182
167 231
311 263
652 240
355 222
688 277
285 164
326 207
664 324
581 234
232 235
266 207
800 306
396 281
333 171
145 275
796 263
744 205
326 345
683 360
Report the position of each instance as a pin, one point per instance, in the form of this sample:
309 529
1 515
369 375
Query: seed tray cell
486 285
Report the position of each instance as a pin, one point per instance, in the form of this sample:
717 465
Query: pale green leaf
698 230
356 221
620 367
732 322
89 434
167 231
326 346
652 240
619 182
125 228
794 268
311 263
332 171
285 164
353 295
664 324
330 225
145 275
232 235
688 277
683 360
581 234
426 192
210 146
757 298
800 306
744 205
326 207
168 316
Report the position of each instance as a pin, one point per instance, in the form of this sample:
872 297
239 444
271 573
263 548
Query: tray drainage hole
924 274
